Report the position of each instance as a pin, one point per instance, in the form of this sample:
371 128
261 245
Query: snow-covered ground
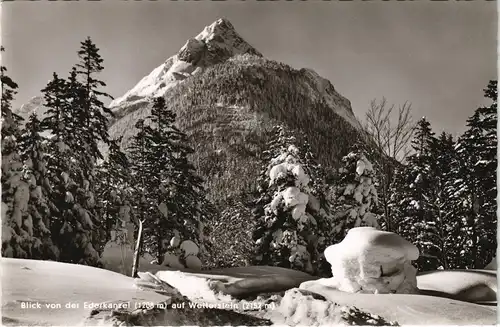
478 286
413 309
32 292
44 282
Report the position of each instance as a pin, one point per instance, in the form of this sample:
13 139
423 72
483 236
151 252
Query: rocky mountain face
36 104
215 44
227 97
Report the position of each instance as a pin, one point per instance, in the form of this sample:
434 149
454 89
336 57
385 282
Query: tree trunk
474 229
138 245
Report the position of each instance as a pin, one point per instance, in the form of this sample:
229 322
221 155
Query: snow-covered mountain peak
214 44
218 28
34 105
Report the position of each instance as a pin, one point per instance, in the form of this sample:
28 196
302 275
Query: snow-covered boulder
189 248
193 262
373 261
172 261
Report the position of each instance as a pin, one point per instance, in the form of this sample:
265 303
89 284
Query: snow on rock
171 260
192 262
189 248
34 105
373 261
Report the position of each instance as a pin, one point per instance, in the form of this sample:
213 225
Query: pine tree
446 230
93 109
33 152
16 228
477 162
355 192
9 89
86 89
412 197
72 223
292 219
169 195
114 189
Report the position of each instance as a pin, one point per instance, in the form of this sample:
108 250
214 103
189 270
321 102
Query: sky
439 56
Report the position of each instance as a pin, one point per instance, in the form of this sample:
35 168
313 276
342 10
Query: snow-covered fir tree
86 94
412 200
114 190
292 223
476 185
169 194
16 227
77 123
355 193
72 223
34 155
445 232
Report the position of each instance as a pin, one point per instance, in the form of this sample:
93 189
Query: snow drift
44 282
411 309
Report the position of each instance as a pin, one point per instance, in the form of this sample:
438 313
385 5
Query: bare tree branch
392 133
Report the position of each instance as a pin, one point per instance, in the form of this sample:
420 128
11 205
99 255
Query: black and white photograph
249 163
